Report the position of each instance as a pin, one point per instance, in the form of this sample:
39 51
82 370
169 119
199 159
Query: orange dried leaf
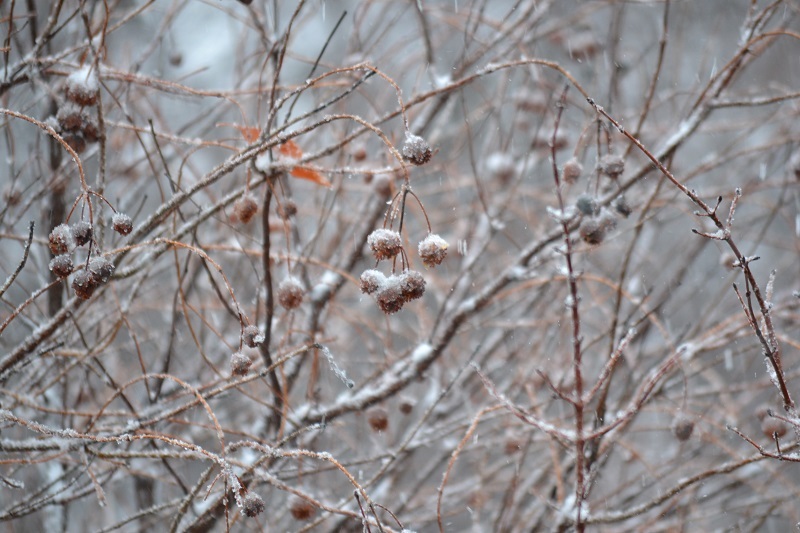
290 149
250 133
311 175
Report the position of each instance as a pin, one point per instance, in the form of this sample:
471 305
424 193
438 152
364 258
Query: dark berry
240 364
245 208
290 293
416 149
385 243
122 223
61 239
252 504
82 230
61 265
432 250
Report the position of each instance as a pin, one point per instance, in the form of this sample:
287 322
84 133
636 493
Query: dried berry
240 364
384 243
371 281
61 265
252 504
69 118
607 220
622 207
122 223
382 185
290 293
83 285
390 297
252 336
83 86
288 209
773 427
572 170
432 250
378 419
90 129
416 149
591 231
301 509
100 270
12 196
61 239
682 427
245 208
412 285
501 167
406 406
359 152
612 165
82 230
587 205
76 142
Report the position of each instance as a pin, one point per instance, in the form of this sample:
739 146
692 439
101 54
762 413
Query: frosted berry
587 205
76 142
122 223
252 336
69 118
90 129
622 207
240 364
382 185
416 149
83 86
371 281
61 265
682 427
412 285
390 297
252 504
100 270
359 152
501 167
612 165
432 250
591 231
82 230
245 208
773 427
378 419
290 293
288 209
83 285
607 220
61 239
301 509
572 170
384 243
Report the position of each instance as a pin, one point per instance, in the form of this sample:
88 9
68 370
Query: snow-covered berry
122 223
390 296
501 167
416 149
378 419
592 231
76 141
290 293
612 165
572 170
682 427
432 250
371 281
622 207
83 86
252 504
100 270
61 239
69 118
61 265
245 208
240 364
384 243
252 336
587 205
412 285
82 231
83 285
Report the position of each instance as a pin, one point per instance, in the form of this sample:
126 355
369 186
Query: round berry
572 170
622 207
240 364
82 230
83 86
390 297
371 281
301 509
612 165
252 504
61 265
591 231
100 270
412 285
290 293
61 239
245 208
378 419
69 118
252 336
83 285
432 250
76 142
122 223
501 167
288 209
587 205
773 427
384 243
682 427
416 149
90 129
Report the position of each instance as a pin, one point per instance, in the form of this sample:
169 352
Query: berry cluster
64 239
74 121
